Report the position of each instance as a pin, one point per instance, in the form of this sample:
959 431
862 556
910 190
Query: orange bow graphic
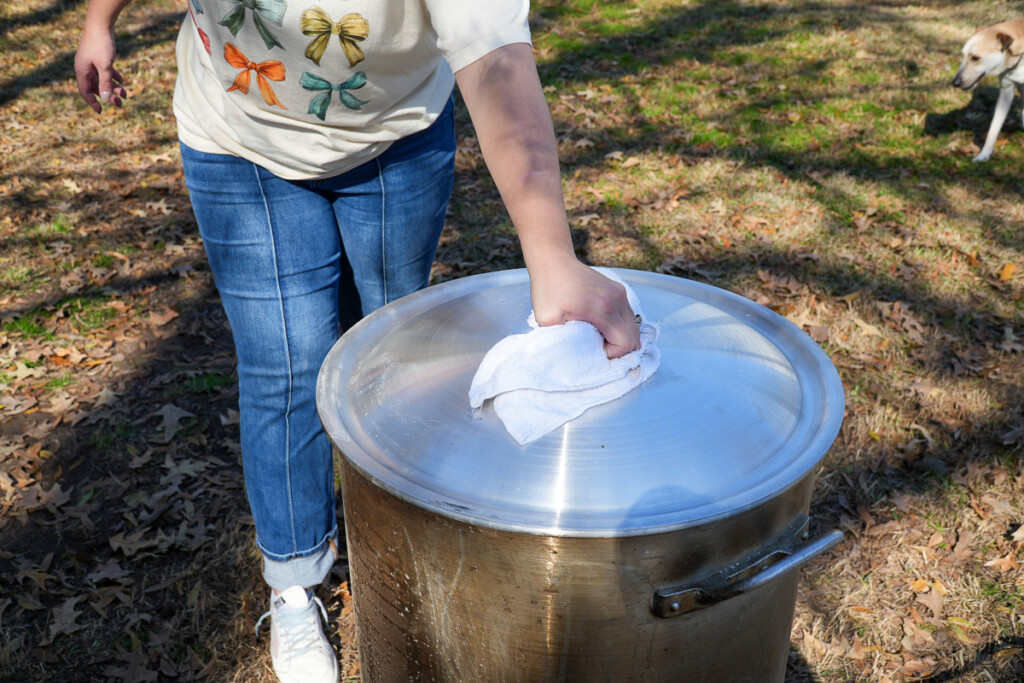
272 69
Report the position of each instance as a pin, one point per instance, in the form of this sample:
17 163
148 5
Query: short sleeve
469 29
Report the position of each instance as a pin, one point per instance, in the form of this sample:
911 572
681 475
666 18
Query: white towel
542 379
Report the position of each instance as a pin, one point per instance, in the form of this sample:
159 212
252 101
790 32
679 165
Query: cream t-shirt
312 89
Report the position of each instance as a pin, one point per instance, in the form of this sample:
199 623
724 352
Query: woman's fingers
578 292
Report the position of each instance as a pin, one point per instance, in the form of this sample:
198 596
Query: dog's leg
1002 109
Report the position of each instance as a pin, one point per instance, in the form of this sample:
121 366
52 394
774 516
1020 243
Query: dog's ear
1011 44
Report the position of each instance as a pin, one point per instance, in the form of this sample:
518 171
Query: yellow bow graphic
352 27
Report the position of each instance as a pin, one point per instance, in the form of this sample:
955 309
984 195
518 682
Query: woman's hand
512 121
564 289
98 80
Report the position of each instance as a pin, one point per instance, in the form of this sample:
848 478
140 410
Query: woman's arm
94 61
503 94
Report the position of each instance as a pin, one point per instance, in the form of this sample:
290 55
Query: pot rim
814 434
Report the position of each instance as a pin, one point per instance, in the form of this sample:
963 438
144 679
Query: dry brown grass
810 156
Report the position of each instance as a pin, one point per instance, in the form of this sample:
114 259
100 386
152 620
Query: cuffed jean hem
307 571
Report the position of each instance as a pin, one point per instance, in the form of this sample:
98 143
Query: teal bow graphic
318 105
199 8
271 10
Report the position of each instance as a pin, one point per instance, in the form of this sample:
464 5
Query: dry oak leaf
170 423
920 586
856 650
932 601
64 617
132 544
1004 564
919 667
35 498
135 670
163 316
962 549
999 506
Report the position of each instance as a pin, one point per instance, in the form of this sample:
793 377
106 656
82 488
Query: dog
994 50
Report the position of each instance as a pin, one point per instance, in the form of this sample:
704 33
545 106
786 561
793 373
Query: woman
320 195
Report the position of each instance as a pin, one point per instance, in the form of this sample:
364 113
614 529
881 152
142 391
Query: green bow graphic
271 10
318 105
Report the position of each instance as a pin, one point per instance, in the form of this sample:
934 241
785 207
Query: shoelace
298 636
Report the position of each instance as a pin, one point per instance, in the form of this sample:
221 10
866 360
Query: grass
207 382
809 156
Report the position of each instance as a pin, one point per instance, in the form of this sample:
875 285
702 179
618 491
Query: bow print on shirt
352 28
271 10
318 105
271 69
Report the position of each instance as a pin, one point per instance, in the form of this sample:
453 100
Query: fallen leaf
64 617
1004 564
107 571
132 544
170 423
1007 654
960 635
999 506
856 650
919 667
22 371
902 502
163 316
920 586
932 601
36 498
105 397
1007 271
962 549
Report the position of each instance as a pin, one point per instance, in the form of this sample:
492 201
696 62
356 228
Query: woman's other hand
98 81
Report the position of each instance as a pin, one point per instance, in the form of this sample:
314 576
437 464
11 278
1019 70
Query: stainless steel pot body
653 538
439 599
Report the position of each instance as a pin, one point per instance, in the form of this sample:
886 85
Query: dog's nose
957 81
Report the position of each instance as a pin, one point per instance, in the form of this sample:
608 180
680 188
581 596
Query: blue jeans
296 263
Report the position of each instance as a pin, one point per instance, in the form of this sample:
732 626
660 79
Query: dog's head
989 51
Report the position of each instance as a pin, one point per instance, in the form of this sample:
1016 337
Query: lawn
811 156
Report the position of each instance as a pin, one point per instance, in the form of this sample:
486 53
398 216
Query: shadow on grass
698 31
974 117
43 15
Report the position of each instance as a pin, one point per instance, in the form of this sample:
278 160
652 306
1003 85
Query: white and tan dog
994 50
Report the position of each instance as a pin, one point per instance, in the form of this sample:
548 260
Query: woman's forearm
504 97
514 128
102 14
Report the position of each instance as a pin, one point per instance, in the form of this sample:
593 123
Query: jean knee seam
288 361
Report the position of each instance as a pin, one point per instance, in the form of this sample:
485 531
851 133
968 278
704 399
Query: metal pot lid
743 406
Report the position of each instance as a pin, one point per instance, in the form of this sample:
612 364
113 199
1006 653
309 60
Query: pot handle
783 555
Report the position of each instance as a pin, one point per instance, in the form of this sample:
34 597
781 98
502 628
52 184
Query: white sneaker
298 646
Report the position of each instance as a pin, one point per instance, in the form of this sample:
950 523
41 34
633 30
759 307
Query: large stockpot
654 538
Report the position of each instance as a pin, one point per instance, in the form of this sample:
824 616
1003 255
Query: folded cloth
542 379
